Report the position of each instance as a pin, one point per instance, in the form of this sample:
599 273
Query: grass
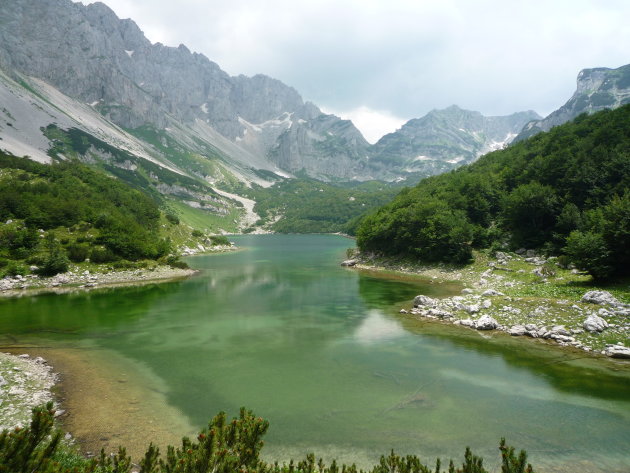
529 298
205 220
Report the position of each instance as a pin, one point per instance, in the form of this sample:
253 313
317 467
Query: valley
178 241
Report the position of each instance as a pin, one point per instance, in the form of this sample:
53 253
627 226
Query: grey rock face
517 330
90 55
444 139
593 323
424 301
617 351
486 322
596 90
600 297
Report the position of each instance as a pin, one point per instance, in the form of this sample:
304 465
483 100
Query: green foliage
78 252
102 255
588 251
18 240
219 240
14 268
72 195
310 206
197 233
428 230
225 446
530 212
32 448
172 218
563 189
174 262
56 260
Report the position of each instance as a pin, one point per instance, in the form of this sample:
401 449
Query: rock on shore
86 279
482 311
25 383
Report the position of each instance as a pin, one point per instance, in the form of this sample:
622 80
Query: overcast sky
382 62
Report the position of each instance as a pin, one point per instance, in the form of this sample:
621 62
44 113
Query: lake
322 353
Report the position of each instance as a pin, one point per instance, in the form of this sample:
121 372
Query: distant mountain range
96 72
81 67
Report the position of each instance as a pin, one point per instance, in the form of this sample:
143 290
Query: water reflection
321 352
376 327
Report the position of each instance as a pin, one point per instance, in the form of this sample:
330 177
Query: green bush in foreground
226 446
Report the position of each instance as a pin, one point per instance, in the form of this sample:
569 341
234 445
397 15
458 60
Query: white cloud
373 124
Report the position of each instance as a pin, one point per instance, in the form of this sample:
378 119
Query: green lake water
322 353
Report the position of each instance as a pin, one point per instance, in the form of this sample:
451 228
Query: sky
383 62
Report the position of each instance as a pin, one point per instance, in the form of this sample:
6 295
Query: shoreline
514 294
25 383
102 276
86 280
94 392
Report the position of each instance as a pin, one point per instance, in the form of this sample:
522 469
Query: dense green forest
309 206
95 216
224 447
562 192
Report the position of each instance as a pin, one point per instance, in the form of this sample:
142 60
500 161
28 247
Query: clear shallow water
321 352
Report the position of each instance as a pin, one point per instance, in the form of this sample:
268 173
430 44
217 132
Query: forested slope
564 191
95 216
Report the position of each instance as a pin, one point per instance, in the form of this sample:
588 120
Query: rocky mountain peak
597 88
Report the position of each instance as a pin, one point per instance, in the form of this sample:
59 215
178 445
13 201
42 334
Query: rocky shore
523 294
492 310
25 383
77 279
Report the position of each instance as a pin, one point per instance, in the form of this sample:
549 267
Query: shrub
56 260
175 262
589 252
78 252
14 268
197 233
102 255
225 446
172 218
219 240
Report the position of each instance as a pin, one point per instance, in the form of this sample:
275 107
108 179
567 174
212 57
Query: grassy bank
520 290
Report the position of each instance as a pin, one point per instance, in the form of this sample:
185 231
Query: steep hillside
597 89
561 191
80 66
90 55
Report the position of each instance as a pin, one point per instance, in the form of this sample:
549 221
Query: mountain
597 89
90 55
565 191
83 67
445 139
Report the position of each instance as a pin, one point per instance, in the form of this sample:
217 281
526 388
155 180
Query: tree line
564 192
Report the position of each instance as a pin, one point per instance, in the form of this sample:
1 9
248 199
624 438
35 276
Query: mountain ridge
253 123
597 88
